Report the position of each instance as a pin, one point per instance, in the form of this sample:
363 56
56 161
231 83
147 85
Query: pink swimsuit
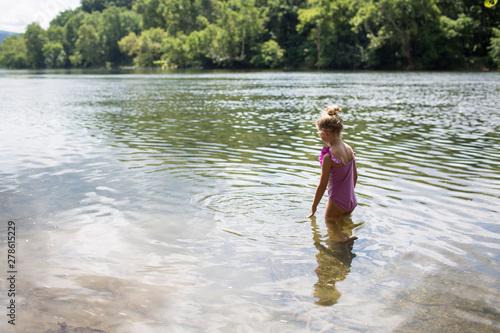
341 182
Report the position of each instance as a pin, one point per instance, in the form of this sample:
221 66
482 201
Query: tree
115 24
241 24
35 38
281 26
494 48
91 6
71 28
485 20
13 52
311 19
250 22
195 49
53 49
329 29
52 54
88 46
232 38
151 11
130 21
121 3
180 16
395 27
55 33
454 33
63 17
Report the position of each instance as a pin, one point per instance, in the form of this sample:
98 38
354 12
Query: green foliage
238 28
151 13
226 41
146 48
335 34
281 25
71 32
494 48
310 23
270 54
332 41
129 45
54 54
180 16
88 47
398 25
63 17
13 52
115 24
91 6
55 33
455 34
176 51
35 37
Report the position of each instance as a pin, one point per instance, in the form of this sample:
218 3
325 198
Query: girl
338 167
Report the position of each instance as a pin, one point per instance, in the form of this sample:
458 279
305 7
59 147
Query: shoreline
146 70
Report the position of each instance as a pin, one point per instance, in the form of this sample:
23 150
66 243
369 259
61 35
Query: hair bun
332 110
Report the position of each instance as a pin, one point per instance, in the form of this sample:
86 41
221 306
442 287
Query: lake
177 201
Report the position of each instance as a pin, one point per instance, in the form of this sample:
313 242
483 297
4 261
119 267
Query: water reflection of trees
334 259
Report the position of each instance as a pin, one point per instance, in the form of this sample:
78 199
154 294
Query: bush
270 54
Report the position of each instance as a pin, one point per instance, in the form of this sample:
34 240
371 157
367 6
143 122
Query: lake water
177 202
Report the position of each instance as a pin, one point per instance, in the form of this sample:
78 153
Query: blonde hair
330 120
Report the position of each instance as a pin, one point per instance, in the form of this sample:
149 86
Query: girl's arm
323 182
355 173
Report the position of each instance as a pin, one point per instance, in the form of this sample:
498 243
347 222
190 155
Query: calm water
177 202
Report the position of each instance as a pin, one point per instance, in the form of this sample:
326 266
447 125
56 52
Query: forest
285 34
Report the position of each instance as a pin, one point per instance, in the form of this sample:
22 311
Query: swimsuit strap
327 150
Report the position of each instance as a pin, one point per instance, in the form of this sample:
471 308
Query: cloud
15 15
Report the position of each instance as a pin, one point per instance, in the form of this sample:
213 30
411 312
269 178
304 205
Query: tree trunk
242 55
318 44
407 51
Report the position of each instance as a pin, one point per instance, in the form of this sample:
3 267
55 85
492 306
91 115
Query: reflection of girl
338 167
334 262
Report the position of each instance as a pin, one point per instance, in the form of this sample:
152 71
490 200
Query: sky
15 15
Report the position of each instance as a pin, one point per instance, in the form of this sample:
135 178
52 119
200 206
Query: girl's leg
334 218
333 210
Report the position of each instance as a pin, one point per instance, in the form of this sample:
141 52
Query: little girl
338 167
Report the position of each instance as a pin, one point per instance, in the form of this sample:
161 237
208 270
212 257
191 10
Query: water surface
176 202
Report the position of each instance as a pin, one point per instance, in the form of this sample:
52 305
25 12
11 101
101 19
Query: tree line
328 34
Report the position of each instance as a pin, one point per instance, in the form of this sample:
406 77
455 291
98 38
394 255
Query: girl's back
342 152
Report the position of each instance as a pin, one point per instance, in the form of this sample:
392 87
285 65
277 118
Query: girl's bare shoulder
345 153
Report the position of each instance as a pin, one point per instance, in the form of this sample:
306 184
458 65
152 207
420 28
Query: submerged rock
65 328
